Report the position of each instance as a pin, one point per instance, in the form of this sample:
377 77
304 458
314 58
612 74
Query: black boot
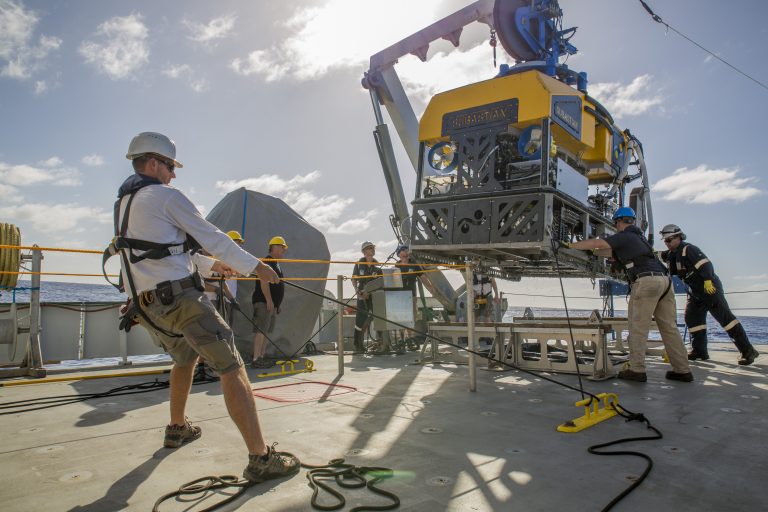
359 346
749 356
739 337
693 355
698 346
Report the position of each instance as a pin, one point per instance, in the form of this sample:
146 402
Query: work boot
630 375
359 344
262 363
272 465
749 357
176 435
693 355
682 377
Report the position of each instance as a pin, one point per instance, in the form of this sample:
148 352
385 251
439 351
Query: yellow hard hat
235 235
278 240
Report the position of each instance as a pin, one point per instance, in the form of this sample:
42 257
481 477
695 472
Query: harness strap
126 265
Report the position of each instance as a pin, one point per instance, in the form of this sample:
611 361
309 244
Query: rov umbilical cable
47 402
621 410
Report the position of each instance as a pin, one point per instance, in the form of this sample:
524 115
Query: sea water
52 291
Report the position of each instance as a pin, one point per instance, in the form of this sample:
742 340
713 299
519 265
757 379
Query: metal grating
302 391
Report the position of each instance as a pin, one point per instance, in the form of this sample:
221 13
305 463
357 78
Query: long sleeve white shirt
163 214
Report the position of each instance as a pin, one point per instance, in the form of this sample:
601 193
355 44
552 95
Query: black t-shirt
365 270
276 290
633 251
409 280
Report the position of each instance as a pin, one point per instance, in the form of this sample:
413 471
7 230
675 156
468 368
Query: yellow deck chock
309 366
592 415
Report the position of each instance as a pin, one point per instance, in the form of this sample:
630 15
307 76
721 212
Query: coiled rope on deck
346 476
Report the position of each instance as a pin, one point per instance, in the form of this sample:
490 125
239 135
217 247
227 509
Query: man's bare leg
241 406
180 384
259 346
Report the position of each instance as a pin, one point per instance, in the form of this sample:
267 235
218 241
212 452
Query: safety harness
483 280
126 246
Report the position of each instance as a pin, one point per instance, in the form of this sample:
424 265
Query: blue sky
267 95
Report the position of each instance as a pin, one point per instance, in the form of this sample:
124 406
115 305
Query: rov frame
503 209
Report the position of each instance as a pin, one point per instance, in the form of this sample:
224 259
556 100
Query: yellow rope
25 272
56 249
281 260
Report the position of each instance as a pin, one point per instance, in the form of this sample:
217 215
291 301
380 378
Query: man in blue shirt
651 296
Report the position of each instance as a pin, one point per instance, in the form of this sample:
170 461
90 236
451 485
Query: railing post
340 321
36 368
471 328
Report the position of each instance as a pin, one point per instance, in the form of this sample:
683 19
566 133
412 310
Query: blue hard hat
401 248
624 211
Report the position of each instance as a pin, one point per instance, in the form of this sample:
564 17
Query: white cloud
177 71
25 175
199 85
209 33
9 194
40 87
706 186
445 71
20 57
185 72
314 44
757 233
632 99
48 218
352 226
93 160
121 49
54 161
346 255
323 212
271 184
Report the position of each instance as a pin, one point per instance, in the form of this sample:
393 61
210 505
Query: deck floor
452 449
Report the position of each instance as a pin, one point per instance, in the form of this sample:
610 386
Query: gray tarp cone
258 217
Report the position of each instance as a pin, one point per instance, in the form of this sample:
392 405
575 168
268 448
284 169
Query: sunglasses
169 165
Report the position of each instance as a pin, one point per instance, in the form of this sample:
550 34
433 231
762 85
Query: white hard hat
671 230
366 245
152 142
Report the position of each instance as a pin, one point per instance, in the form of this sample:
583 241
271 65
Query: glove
565 244
709 287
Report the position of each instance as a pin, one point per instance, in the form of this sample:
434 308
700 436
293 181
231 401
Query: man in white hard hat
705 295
158 226
362 274
267 299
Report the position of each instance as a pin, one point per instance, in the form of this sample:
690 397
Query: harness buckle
175 250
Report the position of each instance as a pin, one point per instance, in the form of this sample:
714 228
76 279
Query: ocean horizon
55 291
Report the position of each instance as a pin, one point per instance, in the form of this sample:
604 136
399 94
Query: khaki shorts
205 333
264 320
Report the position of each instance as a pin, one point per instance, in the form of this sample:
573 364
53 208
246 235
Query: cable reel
9 262
9 258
